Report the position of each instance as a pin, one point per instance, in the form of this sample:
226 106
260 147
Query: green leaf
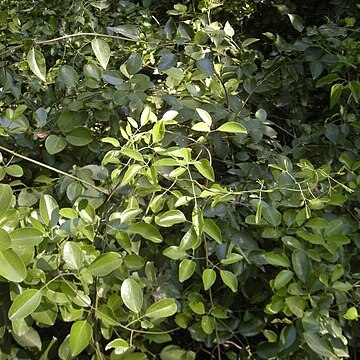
102 51
12 266
229 279
186 269
80 336
73 255
335 94
68 76
147 231
55 144
5 240
130 31
5 199
105 264
174 253
119 346
49 210
158 131
301 264
351 314
232 258
354 87
67 121
161 309
296 305
130 174
167 61
197 220
25 304
212 230
205 116
282 278
208 278
110 140
277 259
201 127
232 127
14 170
36 62
272 216
30 339
26 237
170 218
134 63
131 295
328 79
204 167
79 136
297 22
318 345
208 324
133 154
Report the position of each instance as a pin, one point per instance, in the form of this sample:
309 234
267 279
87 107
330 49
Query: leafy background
179 180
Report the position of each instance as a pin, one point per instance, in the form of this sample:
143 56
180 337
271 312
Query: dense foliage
179 180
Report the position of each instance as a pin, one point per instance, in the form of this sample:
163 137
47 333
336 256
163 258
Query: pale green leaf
24 304
131 295
80 336
161 309
232 127
36 62
102 51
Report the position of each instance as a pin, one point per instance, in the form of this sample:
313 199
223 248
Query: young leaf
105 264
24 304
130 174
147 231
119 346
197 220
161 309
204 167
131 295
102 51
335 94
208 278
186 269
229 279
212 230
205 116
170 218
201 127
208 324
80 336
232 127
12 267
36 62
